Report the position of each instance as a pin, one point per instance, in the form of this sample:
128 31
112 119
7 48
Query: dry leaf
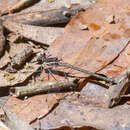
120 64
33 108
97 47
77 116
10 79
7 4
43 35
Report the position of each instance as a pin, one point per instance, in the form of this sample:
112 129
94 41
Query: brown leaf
46 18
43 35
120 64
124 58
45 5
13 122
7 4
33 108
93 94
76 116
10 79
112 70
97 47
10 52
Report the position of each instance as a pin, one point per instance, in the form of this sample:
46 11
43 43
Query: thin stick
2 39
128 95
22 4
57 86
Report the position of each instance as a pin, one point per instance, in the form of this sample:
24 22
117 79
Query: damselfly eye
41 59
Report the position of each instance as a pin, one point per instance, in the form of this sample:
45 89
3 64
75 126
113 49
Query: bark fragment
115 91
21 57
2 39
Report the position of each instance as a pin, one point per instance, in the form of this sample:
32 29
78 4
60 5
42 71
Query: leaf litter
67 49
103 41
96 40
38 34
33 108
78 115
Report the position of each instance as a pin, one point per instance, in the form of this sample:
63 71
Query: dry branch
116 91
22 4
58 86
2 39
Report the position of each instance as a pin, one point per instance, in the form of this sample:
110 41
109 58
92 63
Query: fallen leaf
7 4
43 35
77 116
10 79
95 48
34 107
121 63
16 78
93 94
45 5
45 18
123 59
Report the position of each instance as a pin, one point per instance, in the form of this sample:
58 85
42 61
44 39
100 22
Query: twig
2 39
22 4
57 86
128 95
